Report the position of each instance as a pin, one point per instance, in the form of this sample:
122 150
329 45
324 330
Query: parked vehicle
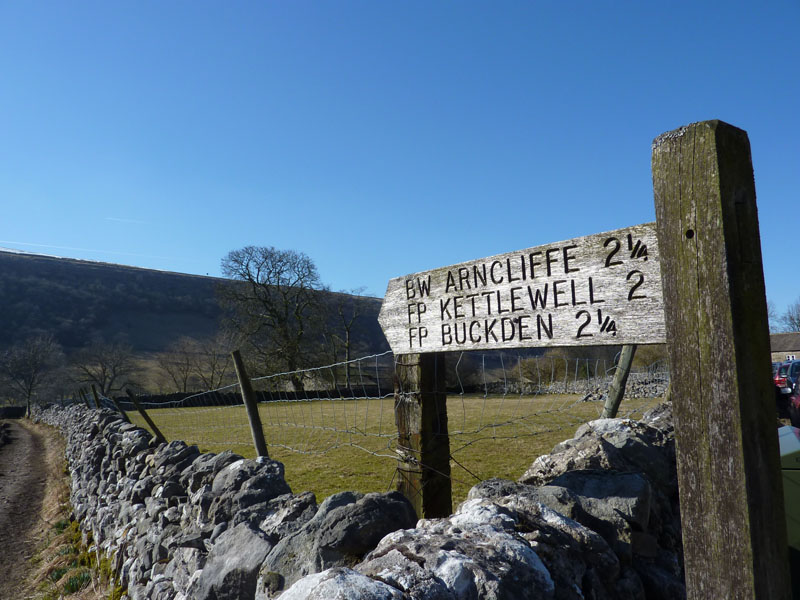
786 377
793 405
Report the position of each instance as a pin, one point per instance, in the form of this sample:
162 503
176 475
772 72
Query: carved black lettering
613 242
507 329
444 308
489 329
515 298
582 326
451 282
410 293
463 338
522 321
568 257
473 337
592 299
539 297
632 295
463 278
540 326
549 260
479 272
500 309
471 298
458 308
495 279
447 336
488 296
416 334
533 263
511 277
557 292
416 308
574 295
424 286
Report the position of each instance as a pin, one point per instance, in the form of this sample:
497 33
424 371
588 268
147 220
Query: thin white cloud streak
74 249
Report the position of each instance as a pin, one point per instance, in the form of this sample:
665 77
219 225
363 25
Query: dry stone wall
597 518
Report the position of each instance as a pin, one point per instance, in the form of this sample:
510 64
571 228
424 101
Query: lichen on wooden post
732 512
423 443
617 390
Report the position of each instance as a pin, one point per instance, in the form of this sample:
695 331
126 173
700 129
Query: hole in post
689 234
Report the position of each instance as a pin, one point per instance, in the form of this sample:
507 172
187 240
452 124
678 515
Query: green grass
349 445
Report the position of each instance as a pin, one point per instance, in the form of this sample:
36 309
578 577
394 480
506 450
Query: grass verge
330 446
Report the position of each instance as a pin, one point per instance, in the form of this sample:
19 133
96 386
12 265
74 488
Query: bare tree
772 317
178 362
109 366
276 304
791 318
212 364
27 366
348 308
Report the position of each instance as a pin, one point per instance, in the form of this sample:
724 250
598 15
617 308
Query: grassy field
332 446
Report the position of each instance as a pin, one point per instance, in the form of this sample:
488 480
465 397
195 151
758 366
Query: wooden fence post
617 389
249 398
156 431
114 400
734 528
420 402
85 397
95 395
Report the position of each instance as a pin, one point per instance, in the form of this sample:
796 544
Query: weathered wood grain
601 289
423 442
249 399
617 389
716 319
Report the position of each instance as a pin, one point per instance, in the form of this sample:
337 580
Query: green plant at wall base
61 525
57 574
77 582
117 592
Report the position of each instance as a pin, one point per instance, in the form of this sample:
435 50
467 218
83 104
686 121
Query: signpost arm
421 414
716 321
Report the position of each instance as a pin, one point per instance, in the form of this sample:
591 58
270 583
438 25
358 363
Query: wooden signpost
723 402
704 252
602 289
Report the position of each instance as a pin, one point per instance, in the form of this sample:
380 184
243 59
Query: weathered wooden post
85 397
114 400
734 529
156 431
249 399
617 389
424 446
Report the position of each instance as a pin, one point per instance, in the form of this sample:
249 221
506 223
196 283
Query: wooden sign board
602 289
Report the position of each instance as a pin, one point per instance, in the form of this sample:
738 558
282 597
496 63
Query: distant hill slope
77 300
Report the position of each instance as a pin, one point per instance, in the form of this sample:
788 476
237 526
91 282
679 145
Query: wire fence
338 421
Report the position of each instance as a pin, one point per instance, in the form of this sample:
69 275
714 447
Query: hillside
78 300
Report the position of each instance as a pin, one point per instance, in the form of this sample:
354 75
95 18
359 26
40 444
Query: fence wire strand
499 399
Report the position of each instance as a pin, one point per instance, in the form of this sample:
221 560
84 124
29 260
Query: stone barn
785 346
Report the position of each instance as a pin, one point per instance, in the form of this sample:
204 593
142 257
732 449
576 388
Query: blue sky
380 138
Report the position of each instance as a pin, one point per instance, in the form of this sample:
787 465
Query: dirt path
25 462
